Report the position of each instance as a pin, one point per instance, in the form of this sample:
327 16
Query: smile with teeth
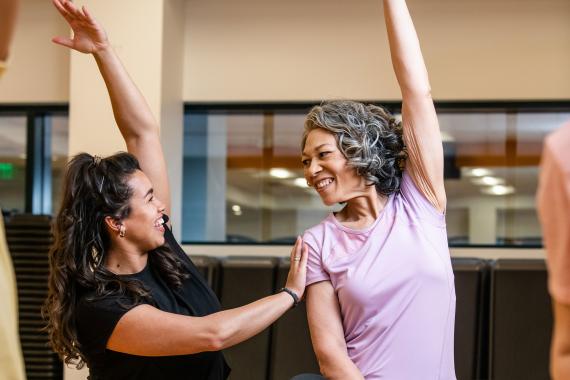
322 184
159 222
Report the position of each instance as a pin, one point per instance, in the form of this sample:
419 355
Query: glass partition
243 180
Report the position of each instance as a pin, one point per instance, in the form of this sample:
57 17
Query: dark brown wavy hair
93 189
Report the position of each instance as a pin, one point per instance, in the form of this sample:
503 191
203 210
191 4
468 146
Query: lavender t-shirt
395 287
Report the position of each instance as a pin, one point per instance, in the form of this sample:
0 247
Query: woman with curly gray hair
380 283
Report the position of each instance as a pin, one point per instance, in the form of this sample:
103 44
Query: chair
471 317
520 320
244 280
291 349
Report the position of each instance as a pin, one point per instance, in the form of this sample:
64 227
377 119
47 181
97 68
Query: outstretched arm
421 128
132 114
172 334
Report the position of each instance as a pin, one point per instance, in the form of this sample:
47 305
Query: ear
113 224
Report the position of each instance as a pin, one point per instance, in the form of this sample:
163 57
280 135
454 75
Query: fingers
88 15
304 256
61 9
296 252
63 41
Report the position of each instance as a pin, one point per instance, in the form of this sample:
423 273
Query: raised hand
88 36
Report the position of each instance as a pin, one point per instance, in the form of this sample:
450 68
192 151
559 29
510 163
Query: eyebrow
150 192
317 148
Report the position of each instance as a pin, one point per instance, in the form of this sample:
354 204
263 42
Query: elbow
218 336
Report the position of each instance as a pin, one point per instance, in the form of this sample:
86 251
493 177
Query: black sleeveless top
96 320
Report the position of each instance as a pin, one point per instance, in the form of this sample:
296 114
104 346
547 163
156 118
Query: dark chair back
244 280
471 317
520 320
291 349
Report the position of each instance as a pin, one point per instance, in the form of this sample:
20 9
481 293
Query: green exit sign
6 171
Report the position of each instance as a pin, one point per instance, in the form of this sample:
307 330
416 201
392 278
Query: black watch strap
292 294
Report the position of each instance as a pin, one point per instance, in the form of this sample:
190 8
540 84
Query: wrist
103 50
291 293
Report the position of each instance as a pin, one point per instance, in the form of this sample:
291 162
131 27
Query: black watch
292 294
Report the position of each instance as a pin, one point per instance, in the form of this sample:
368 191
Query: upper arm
424 147
560 352
147 331
325 323
147 148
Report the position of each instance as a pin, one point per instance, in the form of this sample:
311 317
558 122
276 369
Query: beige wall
308 50
39 70
302 50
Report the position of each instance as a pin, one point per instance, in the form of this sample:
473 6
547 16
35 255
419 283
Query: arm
172 334
7 24
327 334
560 349
138 126
421 127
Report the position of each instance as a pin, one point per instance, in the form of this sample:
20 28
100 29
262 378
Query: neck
363 210
122 259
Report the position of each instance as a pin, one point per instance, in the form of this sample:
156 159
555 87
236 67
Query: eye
306 162
323 154
151 198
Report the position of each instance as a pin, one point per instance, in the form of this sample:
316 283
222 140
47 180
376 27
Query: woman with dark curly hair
381 296
123 296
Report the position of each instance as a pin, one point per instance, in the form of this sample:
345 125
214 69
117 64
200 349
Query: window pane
243 179
59 152
13 163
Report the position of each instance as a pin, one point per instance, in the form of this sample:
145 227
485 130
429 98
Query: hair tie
96 160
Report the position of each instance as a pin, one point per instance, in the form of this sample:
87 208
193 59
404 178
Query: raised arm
136 122
172 334
421 127
9 10
327 333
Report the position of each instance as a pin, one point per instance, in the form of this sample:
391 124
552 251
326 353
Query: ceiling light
280 173
488 181
301 182
480 172
236 208
499 190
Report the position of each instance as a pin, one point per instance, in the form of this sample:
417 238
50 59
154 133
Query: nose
161 206
313 169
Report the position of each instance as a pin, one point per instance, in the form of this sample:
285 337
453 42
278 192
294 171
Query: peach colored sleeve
553 201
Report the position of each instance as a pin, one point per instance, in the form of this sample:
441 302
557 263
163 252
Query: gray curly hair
367 135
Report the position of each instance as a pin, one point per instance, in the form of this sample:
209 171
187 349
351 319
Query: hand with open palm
88 36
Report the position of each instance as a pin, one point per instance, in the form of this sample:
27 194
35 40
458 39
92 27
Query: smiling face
327 170
144 225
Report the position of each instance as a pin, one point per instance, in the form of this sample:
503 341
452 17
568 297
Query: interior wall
305 50
38 70
299 50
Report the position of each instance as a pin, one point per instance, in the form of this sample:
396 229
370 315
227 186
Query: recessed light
499 190
480 172
488 181
280 173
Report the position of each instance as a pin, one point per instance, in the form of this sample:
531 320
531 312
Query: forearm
405 50
131 111
7 24
237 325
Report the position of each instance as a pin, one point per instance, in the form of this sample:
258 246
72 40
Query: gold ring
297 258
